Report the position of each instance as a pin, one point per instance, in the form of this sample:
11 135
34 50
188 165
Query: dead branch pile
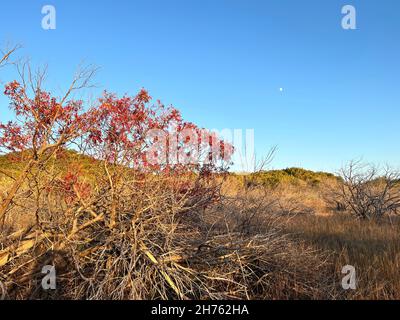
164 244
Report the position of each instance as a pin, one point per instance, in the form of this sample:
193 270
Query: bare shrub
368 192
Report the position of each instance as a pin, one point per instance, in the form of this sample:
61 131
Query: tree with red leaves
142 199
126 132
44 124
133 132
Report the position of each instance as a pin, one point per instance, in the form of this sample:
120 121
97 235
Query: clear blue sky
222 62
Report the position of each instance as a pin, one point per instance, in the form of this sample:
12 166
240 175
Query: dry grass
253 243
373 248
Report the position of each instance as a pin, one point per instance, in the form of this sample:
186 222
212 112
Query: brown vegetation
257 243
116 226
164 245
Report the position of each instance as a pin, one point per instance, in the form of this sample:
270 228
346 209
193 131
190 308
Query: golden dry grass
307 215
373 248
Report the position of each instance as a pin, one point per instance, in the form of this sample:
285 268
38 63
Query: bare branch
369 192
81 80
5 55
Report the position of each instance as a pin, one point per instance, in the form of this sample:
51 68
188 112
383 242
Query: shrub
368 192
295 176
133 229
